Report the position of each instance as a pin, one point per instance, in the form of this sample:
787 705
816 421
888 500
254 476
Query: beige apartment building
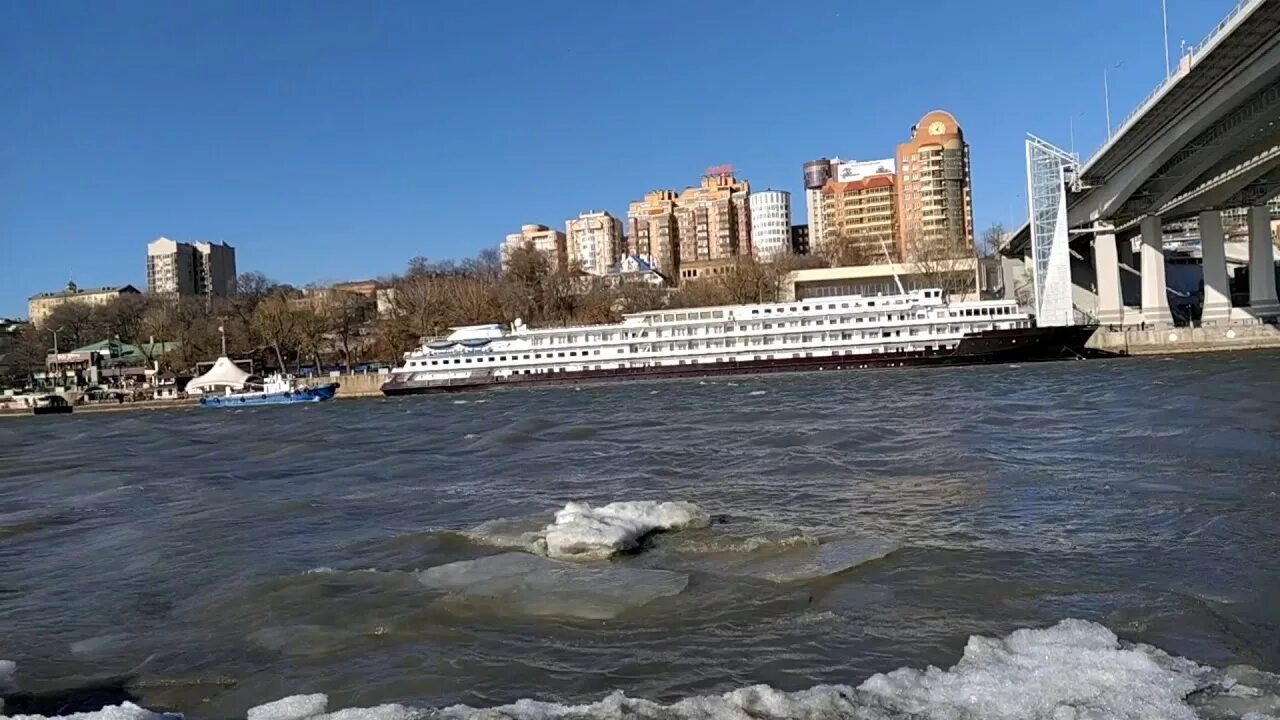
850 198
39 307
859 220
594 242
934 201
550 243
182 269
652 233
705 223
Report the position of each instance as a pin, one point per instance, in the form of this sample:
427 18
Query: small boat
51 405
275 389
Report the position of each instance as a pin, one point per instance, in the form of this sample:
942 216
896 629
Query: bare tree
991 239
347 313
275 322
849 250
942 262
76 322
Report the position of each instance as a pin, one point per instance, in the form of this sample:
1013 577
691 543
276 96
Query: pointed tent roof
223 374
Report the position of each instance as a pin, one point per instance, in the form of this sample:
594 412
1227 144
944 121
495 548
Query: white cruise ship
918 327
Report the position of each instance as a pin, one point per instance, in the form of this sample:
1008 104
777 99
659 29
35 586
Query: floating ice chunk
8 676
519 533
809 563
312 707
582 532
123 711
294 707
529 585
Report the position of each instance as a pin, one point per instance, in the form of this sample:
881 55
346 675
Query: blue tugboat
275 390
226 385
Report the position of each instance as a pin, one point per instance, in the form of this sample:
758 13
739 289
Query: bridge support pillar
1155 297
1262 274
1217 291
1106 267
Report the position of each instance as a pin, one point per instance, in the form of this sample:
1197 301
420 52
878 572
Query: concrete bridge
1207 140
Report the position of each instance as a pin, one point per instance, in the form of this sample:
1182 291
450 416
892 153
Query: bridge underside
1208 141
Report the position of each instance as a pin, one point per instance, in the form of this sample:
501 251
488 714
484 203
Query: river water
858 523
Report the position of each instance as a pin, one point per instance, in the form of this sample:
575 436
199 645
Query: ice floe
583 532
523 584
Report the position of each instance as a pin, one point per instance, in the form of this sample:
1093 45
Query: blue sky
328 141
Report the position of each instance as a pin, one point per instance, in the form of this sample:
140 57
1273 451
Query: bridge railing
1190 57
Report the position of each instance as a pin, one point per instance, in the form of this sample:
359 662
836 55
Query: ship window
681 316
435 362
718 314
561 354
871 303
832 306
706 314
844 306
769 311
526 357
755 312
805 308
573 353
468 361
768 326
597 352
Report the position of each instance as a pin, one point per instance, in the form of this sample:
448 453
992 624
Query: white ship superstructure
916 321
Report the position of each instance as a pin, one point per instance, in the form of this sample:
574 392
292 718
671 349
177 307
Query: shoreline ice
1074 670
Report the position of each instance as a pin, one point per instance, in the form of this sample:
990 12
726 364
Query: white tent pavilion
224 374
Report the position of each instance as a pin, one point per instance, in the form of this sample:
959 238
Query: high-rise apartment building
715 217
934 203
770 224
845 201
652 234
859 222
594 242
709 222
550 243
182 269
816 174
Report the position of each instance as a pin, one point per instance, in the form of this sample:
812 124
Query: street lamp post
1164 13
1106 94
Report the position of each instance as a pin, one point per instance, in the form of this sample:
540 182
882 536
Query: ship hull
292 397
992 346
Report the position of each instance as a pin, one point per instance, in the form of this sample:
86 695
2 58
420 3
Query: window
572 353
561 354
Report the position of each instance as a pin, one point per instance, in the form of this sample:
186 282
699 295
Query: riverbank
1178 340
113 407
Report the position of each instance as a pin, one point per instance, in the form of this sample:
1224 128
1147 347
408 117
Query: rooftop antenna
892 266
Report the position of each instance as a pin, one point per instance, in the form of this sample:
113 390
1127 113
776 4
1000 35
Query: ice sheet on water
583 532
829 558
530 585
786 558
517 533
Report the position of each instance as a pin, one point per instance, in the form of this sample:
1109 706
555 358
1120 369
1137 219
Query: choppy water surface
858 523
